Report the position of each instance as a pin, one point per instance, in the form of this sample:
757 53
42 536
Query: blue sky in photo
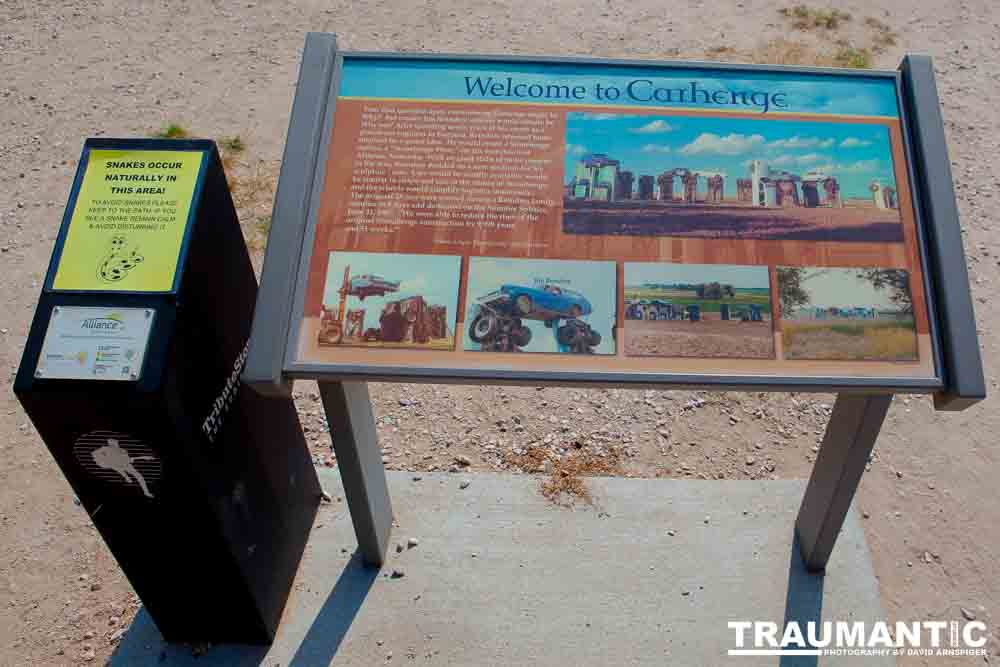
594 280
441 79
434 277
739 276
855 154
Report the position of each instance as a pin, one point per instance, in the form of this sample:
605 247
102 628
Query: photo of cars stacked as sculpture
711 177
523 305
390 300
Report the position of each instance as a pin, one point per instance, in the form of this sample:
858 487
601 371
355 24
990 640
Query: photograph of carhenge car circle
710 177
697 310
523 305
863 314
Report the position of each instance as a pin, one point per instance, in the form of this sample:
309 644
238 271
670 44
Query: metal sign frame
271 365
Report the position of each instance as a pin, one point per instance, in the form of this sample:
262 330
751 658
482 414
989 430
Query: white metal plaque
95 343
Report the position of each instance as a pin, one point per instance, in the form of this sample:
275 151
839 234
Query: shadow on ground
803 603
317 644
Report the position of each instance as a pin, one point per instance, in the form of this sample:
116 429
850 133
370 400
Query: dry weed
810 18
565 485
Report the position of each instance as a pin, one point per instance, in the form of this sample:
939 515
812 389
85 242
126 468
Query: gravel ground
100 68
707 338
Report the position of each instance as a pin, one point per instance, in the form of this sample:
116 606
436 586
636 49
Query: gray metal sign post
843 455
352 428
862 402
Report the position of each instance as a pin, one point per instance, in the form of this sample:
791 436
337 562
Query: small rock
89 634
96 586
671 533
412 542
707 519
866 515
751 460
327 498
463 460
968 614
417 478
464 485
397 573
88 654
399 547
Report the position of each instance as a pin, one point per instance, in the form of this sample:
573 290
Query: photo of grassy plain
847 314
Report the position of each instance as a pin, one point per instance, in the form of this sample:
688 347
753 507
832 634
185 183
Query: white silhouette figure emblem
113 456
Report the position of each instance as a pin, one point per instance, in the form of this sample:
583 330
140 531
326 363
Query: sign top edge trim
620 62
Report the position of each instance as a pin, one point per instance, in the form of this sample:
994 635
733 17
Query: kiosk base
501 576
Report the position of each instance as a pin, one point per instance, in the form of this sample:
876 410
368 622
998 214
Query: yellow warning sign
129 220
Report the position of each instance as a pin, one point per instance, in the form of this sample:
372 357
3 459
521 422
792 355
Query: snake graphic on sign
118 262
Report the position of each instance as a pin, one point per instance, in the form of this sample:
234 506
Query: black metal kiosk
205 493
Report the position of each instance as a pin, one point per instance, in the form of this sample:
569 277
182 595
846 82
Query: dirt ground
711 221
97 68
706 338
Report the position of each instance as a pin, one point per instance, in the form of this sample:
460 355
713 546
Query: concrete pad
503 577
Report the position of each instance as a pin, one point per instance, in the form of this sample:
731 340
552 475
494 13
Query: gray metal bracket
963 364
272 317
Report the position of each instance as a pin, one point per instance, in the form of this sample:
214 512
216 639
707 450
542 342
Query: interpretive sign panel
648 221
605 223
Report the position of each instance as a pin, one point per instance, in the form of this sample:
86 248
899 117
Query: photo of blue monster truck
498 324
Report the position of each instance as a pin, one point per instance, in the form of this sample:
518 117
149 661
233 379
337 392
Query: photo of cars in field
698 310
390 300
711 177
859 314
527 305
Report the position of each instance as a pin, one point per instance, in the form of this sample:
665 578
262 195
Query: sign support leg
850 437
352 428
